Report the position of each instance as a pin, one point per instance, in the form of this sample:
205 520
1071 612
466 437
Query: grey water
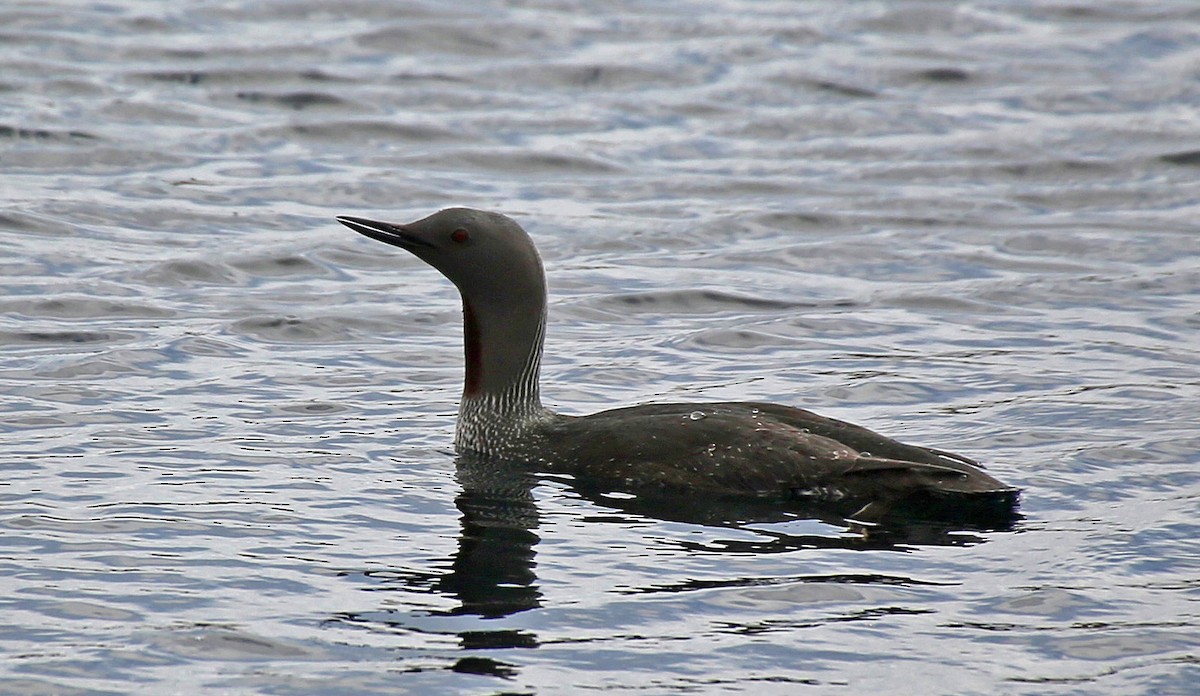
227 420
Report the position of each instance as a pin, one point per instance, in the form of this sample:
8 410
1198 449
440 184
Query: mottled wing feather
757 449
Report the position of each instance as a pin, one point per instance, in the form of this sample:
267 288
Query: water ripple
227 420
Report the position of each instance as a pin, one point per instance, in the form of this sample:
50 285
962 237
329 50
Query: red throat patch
473 344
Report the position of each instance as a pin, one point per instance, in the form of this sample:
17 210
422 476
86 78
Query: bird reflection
492 574
493 571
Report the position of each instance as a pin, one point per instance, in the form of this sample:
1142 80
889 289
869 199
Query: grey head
499 275
487 255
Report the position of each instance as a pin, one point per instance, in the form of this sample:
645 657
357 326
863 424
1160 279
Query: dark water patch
1047 602
359 131
844 90
945 75
35 423
838 323
313 409
523 161
804 221
187 77
423 76
593 314
62 338
240 76
1066 171
1112 643
692 302
18 133
192 272
736 341
941 304
599 77
842 579
291 329
72 393
280 266
297 101
75 609
113 362
295 419
27 222
81 307
203 347
1190 158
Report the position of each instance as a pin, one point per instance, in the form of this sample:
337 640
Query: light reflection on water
226 419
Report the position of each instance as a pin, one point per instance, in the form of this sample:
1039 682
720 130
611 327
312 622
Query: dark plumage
728 450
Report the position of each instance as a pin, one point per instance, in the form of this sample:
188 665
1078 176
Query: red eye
460 236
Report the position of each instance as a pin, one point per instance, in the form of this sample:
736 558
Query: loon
719 449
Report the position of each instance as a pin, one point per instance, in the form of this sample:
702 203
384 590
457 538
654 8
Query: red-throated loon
736 449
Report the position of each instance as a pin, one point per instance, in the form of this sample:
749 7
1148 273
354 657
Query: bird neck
503 351
501 396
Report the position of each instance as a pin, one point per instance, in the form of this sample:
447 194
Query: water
226 418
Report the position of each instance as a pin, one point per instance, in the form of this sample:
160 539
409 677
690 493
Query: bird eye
460 235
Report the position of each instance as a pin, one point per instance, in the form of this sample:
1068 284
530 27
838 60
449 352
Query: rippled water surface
227 419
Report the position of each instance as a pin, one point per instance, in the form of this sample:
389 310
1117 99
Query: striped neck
497 426
501 404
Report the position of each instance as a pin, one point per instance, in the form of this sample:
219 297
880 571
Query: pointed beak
385 232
